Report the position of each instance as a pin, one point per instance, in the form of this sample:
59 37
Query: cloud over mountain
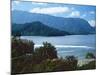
92 23
50 10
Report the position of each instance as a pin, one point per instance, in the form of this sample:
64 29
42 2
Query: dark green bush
47 51
21 47
89 55
90 65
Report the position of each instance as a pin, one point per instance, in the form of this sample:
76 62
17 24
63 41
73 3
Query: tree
16 35
52 65
90 65
21 61
72 61
21 47
89 55
47 51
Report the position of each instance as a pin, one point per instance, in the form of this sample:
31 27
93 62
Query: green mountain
76 26
36 29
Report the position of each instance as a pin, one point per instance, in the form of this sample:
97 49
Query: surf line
66 46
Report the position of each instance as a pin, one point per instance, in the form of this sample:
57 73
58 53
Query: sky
86 12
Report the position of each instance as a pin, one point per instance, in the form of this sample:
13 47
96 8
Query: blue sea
77 45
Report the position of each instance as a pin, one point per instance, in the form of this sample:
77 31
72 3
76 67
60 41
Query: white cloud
16 2
72 8
40 3
75 14
50 10
92 23
92 12
84 15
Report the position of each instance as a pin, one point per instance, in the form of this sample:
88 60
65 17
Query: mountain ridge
70 25
36 29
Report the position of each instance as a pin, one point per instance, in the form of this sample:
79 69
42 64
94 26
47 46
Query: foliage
42 59
16 34
52 65
72 62
22 64
90 65
21 47
89 55
47 51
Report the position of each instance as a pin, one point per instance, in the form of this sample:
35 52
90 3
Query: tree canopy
47 51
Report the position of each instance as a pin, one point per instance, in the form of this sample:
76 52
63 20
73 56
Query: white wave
66 51
67 46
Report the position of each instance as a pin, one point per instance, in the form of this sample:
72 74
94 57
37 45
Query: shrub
90 65
21 47
89 55
47 51
53 65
